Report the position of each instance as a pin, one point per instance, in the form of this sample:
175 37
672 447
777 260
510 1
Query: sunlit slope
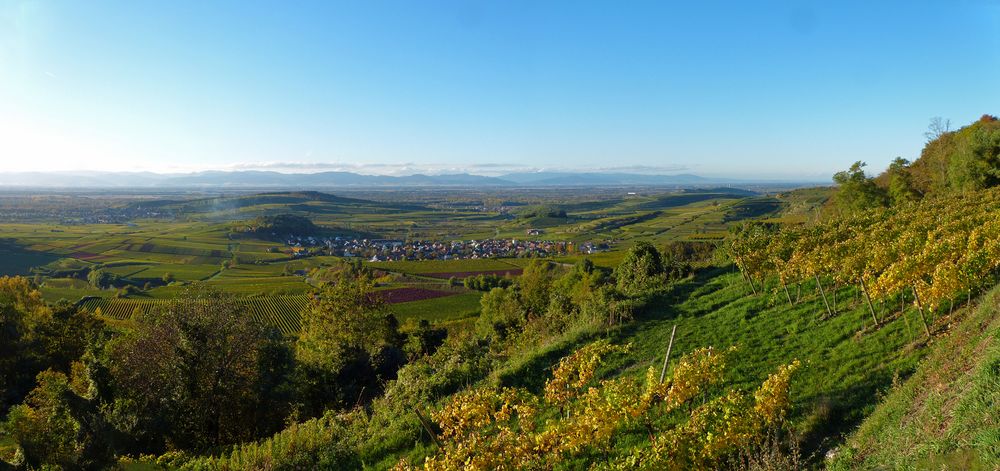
947 415
847 364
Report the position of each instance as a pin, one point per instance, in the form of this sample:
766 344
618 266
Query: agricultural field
16 260
282 312
411 294
452 268
441 310
161 244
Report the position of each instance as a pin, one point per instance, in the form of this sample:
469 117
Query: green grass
439 310
70 294
70 289
843 372
947 415
180 272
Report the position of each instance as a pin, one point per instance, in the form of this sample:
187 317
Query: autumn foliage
582 417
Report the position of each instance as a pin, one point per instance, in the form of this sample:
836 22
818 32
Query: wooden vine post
666 358
823 294
427 427
752 286
787 296
836 287
864 289
920 310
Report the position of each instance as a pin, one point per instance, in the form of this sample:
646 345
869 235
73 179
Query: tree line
198 375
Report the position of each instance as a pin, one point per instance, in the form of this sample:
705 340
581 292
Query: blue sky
784 90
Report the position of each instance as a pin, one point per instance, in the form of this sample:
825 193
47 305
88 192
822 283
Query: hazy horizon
780 91
409 171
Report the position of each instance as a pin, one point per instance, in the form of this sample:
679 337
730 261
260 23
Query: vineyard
283 312
931 253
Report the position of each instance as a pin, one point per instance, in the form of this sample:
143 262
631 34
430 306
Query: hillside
846 367
952 161
304 202
947 415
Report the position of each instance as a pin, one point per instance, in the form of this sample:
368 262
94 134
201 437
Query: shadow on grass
534 370
18 260
663 305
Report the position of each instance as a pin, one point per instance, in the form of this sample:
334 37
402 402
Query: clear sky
783 90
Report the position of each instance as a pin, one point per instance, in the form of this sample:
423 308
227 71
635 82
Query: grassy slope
843 373
947 415
843 377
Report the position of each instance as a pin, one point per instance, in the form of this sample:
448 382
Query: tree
641 269
937 128
58 426
348 345
101 279
958 161
195 374
856 191
975 164
535 285
424 340
43 426
901 187
35 336
502 314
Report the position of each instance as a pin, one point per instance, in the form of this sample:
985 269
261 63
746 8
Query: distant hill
253 179
241 179
293 202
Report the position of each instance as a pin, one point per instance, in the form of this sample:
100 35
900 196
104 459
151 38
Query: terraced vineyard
283 312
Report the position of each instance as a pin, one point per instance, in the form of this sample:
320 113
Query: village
382 250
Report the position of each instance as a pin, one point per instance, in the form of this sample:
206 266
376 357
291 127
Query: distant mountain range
265 179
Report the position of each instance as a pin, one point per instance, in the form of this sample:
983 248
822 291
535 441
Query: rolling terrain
191 240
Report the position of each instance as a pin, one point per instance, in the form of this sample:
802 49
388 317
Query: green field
424 267
440 310
17 260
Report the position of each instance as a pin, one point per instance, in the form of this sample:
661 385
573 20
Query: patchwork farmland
192 240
